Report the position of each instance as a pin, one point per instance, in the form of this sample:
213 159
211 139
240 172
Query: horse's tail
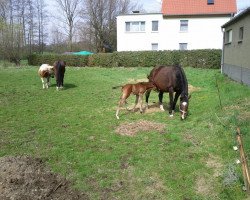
59 71
115 87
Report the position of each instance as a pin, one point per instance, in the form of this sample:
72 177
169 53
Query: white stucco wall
203 33
137 41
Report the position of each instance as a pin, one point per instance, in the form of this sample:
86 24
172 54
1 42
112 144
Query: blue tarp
83 53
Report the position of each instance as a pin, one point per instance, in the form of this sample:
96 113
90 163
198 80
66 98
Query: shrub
71 60
205 58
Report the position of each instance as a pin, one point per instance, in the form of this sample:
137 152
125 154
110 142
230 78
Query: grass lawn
74 131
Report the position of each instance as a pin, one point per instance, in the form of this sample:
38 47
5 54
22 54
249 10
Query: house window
241 33
154 46
135 26
183 46
228 36
210 2
183 25
154 25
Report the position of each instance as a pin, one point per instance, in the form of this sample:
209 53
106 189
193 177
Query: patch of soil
26 178
131 129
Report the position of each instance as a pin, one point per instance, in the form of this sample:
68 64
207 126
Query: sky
155 5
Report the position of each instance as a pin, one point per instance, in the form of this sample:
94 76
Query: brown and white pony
45 72
137 89
59 69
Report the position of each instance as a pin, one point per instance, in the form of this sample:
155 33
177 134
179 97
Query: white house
182 25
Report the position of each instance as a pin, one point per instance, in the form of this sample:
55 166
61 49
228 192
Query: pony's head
184 100
51 71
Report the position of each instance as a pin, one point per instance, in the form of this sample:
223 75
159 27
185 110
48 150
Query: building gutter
223 51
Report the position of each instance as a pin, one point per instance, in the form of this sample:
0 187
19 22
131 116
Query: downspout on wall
222 54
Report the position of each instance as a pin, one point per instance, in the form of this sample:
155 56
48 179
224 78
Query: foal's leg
136 102
123 98
121 102
147 97
160 95
140 101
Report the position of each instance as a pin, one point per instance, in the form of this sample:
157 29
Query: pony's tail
115 87
59 66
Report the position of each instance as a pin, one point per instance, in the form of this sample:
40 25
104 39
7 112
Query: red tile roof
198 7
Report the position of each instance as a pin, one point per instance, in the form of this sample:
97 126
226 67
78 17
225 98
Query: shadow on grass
66 86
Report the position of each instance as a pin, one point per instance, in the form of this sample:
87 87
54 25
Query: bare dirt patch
204 186
131 129
132 81
26 178
193 89
214 163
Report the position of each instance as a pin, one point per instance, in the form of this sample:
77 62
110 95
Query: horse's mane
184 82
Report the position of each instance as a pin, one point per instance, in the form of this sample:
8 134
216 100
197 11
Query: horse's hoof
162 108
117 117
171 115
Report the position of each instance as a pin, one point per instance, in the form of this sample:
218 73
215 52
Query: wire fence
239 74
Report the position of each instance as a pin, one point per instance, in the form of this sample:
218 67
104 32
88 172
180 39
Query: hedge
206 58
71 60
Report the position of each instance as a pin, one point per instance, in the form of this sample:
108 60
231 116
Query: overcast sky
155 5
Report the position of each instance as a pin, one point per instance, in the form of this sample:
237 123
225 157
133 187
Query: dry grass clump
131 129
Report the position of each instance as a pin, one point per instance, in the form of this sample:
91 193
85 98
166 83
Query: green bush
205 58
71 60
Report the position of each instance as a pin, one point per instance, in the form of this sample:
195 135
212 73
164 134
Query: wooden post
243 161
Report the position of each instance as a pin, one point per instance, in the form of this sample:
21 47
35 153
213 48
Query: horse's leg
171 111
140 101
147 96
123 99
48 81
57 84
177 94
160 95
43 82
136 102
121 102
62 79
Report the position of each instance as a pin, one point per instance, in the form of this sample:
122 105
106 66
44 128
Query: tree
70 11
42 16
100 19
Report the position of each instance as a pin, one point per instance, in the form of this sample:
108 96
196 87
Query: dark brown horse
59 70
171 79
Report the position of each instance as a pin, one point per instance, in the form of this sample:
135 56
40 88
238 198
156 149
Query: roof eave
237 17
199 14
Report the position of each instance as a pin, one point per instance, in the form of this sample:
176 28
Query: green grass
74 132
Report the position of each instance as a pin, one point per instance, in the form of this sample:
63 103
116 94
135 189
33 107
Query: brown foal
137 89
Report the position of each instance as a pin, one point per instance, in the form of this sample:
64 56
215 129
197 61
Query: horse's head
51 71
184 106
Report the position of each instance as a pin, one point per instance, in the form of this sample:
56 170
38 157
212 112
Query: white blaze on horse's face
183 109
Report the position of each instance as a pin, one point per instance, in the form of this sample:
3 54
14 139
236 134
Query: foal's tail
115 87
